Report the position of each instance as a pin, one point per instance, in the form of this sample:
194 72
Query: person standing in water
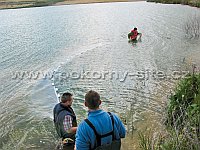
134 34
65 120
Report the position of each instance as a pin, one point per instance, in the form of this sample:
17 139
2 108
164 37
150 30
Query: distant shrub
195 3
192 27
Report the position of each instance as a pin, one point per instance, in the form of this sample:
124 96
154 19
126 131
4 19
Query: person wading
134 34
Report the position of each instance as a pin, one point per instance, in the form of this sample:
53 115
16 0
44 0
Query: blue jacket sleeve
82 142
120 126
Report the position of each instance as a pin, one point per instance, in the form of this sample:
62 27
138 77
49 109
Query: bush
195 3
192 26
182 119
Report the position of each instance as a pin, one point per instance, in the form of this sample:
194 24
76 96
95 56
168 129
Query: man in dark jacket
65 119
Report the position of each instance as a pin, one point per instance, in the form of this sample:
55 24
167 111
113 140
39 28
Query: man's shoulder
82 127
116 118
59 110
83 123
56 106
109 113
114 115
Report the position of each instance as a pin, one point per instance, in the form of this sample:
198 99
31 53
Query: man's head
92 100
135 28
67 99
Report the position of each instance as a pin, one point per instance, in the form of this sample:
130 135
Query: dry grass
6 4
67 2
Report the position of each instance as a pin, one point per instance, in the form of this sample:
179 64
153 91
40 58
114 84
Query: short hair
66 97
92 98
135 28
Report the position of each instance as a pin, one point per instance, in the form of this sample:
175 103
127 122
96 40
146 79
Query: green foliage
184 105
148 142
14 4
145 141
195 3
183 119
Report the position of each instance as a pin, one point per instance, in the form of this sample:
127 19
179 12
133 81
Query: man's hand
72 130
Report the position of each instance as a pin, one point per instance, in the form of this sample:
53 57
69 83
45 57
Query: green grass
182 119
26 3
195 3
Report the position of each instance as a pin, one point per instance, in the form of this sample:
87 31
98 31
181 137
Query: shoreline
17 4
186 2
71 2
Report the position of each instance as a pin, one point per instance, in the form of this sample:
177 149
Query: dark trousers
68 147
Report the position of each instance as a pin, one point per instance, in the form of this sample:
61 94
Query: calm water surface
85 47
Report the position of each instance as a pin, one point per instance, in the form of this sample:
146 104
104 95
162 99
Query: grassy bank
12 4
182 120
195 3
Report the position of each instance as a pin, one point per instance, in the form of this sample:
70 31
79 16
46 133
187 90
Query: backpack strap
111 116
98 136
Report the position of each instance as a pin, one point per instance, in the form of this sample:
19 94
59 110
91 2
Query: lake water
85 47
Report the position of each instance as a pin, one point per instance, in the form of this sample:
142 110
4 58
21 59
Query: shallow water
86 38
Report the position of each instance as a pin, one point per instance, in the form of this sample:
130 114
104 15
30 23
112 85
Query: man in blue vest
101 130
65 120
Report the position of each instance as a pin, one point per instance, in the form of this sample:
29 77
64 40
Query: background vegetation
26 3
195 3
182 119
